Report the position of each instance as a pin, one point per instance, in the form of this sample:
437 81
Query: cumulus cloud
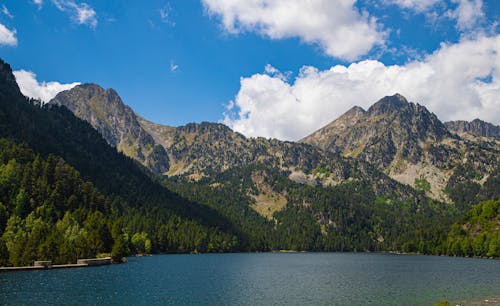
468 13
44 91
459 81
7 37
81 13
338 27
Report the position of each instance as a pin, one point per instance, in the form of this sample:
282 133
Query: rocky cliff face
116 122
475 127
405 141
201 149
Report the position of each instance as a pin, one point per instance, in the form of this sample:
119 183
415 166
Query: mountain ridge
476 127
400 138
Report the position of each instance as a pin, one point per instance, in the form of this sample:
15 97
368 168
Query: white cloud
460 81
44 91
468 13
6 11
7 37
336 26
272 71
81 13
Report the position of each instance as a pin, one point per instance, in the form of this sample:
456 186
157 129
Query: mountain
391 127
339 189
116 122
475 127
402 139
194 150
211 154
73 177
205 148
410 144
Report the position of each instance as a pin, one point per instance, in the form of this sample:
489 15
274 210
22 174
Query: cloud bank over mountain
458 81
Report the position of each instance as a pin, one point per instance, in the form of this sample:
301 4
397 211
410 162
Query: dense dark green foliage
47 212
477 233
347 217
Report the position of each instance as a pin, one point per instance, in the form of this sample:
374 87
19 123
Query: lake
260 279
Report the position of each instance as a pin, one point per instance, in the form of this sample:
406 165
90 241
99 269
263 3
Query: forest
48 212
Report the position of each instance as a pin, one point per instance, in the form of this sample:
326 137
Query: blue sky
266 68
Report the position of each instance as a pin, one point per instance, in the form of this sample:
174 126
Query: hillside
139 202
477 233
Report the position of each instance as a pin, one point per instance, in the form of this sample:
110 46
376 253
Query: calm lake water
260 279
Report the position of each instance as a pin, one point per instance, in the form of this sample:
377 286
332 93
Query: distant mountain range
390 178
399 138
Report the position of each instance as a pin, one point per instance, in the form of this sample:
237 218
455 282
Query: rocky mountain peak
475 127
355 111
115 121
389 105
391 135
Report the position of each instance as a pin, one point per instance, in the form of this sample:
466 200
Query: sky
271 68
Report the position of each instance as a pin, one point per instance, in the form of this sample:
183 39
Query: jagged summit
355 111
117 123
475 127
392 118
389 104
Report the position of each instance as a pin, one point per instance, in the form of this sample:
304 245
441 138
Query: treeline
48 212
347 217
477 233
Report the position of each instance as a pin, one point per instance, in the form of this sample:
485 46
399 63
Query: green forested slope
137 203
352 216
48 212
477 233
